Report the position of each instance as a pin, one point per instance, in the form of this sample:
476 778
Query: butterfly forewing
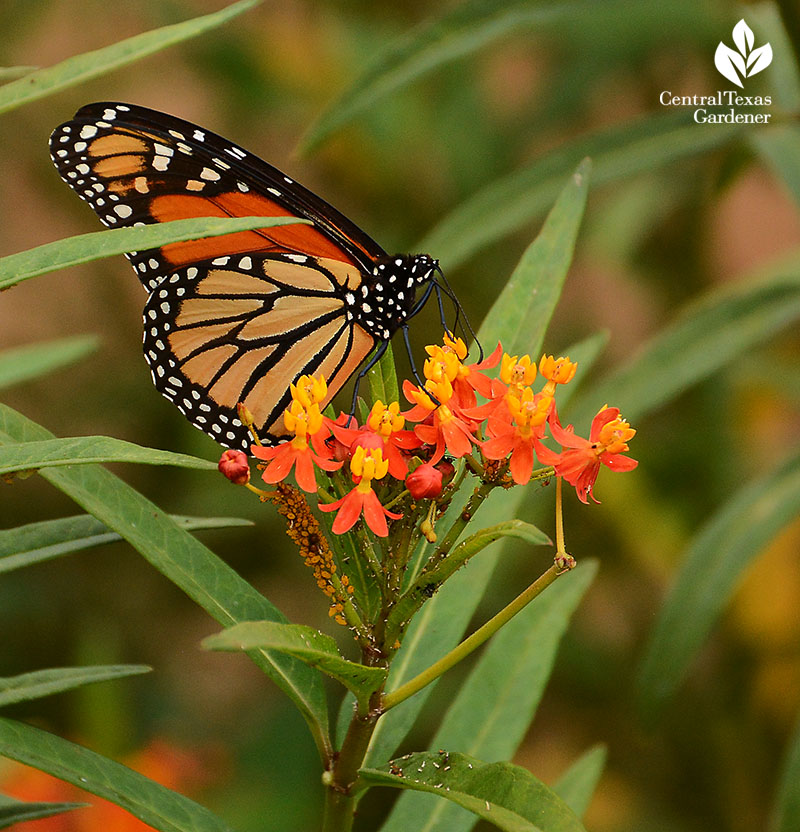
134 165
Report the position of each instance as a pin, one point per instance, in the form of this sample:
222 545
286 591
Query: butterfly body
236 318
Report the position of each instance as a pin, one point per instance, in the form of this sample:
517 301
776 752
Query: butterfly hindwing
242 328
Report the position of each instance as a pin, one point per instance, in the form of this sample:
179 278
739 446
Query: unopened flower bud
235 466
425 481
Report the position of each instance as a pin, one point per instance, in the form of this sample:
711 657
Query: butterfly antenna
461 315
414 370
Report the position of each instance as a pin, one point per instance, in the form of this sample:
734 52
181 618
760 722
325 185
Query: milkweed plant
387 506
387 485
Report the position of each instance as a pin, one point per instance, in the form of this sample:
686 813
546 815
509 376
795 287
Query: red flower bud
235 466
424 481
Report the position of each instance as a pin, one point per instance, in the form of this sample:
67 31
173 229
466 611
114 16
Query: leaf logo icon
744 61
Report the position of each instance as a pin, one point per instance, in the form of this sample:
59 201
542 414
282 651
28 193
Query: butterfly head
390 295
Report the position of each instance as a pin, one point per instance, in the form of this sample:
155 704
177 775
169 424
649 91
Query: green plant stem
341 780
471 643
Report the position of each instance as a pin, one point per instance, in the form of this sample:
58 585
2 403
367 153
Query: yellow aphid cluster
303 528
303 417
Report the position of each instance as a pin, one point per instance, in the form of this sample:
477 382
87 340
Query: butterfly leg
378 354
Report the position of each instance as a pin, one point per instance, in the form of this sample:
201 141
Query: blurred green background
649 243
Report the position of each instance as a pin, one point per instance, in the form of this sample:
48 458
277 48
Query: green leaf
520 315
203 576
717 557
578 783
16 811
507 528
80 450
508 796
383 379
34 360
779 146
81 68
54 680
708 334
95 245
517 199
147 800
786 812
307 644
495 705
459 32
47 539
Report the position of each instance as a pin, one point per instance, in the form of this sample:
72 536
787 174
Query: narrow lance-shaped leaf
516 200
496 703
152 803
185 561
439 625
35 360
305 643
47 539
17 811
508 796
77 450
81 68
50 257
716 558
40 683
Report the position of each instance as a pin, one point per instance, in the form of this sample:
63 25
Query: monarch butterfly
238 318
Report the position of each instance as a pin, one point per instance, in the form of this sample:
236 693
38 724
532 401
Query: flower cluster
398 457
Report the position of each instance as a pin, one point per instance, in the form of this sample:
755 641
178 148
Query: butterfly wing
134 166
230 331
229 319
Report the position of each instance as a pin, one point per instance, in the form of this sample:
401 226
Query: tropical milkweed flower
386 423
304 419
516 437
440 425
469 378
579 464
366 465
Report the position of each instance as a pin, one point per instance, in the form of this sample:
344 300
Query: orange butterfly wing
235 318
